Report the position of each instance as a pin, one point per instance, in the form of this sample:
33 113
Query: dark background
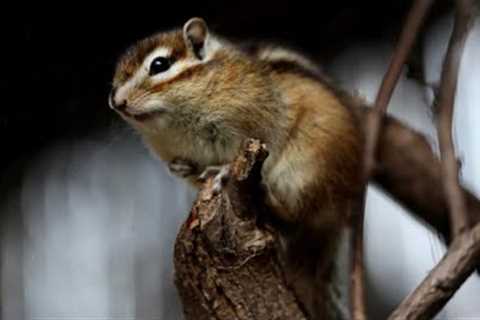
58 62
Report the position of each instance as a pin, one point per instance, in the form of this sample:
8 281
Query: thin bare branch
456 203
407 39
459 262
407 169
358 307
444 280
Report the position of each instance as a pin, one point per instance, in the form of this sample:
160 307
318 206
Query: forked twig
459 262
407 39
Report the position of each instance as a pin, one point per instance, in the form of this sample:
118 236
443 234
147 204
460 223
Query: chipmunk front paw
221 175
182 168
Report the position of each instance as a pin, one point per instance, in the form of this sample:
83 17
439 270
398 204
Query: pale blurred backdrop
93 220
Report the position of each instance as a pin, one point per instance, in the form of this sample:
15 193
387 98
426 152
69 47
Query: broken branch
226 266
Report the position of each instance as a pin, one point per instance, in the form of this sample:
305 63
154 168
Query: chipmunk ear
195 33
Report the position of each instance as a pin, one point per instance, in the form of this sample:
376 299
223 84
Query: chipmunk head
187 88
159 74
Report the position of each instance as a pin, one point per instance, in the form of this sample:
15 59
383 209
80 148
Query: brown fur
312 173
135 55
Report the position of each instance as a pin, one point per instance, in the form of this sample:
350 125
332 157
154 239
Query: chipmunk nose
113 103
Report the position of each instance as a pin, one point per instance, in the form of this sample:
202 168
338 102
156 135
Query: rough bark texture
227 267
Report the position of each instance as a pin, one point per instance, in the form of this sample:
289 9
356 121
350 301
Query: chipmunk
195 97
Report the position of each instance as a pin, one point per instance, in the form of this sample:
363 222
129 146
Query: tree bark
227 265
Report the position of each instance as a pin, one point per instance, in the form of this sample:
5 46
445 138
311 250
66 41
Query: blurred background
89 217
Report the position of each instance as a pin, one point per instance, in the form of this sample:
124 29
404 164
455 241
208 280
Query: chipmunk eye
159 64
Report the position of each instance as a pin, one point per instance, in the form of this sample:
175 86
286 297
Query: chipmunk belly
204 151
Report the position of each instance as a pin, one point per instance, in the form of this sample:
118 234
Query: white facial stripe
123 91
176 68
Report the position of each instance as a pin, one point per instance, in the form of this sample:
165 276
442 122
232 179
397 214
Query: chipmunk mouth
143 116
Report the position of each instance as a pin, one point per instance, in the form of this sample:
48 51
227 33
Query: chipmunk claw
221 176
182 168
